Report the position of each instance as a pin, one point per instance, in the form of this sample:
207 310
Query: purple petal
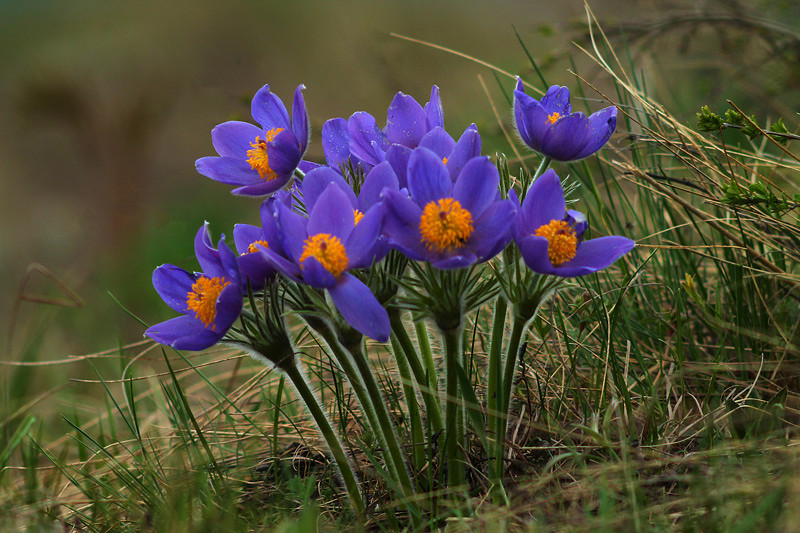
595 254
544 202
268 110
556 100
184 333
467 147
173 284
360 308
316 275
434 115
601 125
244 235
234 138
228 307
439 142
316 181
476 186
284 153
300 125
492 230
379 178
577 221
401 223
207 256
464 259
281 264
534 252
398 156
227 170
530 119
361 242
406 122
332 214
336 142
566 137
292 229
428 179
367 141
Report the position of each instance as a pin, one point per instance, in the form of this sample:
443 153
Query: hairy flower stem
401 357
494 396
428 389
386 428
331 438
430 371
357 384
542 167
454 411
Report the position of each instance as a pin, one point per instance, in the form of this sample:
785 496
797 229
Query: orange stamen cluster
562 241
553 117
444 225
444 160
328 250
253 248
258 158
357 215
202 299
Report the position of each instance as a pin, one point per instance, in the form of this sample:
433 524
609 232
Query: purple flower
210 301
259 161
252 264
360 140
452 225
549 127
550 238
319 251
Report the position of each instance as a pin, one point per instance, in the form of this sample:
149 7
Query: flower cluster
409 186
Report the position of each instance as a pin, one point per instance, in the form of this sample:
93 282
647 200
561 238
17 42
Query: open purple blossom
259 160
321 249
361 141
210 302
451 225
550 237
549 127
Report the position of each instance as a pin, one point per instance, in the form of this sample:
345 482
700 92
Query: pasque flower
210 301
550 237
549 126
259 160
321 249
450 224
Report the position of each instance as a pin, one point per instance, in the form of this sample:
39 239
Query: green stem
418 437
454 415
386 428
358 387
430 368
494 399
429 395
332 440
542 167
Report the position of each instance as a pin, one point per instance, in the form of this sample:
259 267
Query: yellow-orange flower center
358 215
328 250
254 246
562 241
444 160
257 155
202 299
444 225
552 117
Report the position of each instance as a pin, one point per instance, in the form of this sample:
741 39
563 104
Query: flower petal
601 125
401 223
316 275
556 100
476 186
184 333
367 141
566 137
544 202
380 177
406 122
428 179
234 138
332 214
534 252
434 115
360 308
336 142
361 243
398 156
439 142
173 284
492 230
207 256
464 259
228 307
467 147
244 235
300 125
227 170
596 254
292 229
316 181
284 153
268 110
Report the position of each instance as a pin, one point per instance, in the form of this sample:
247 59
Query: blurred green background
104 107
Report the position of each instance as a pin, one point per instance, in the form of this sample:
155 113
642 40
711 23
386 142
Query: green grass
660 394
